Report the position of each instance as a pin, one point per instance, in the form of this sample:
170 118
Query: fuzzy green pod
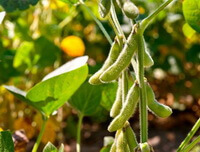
114 53
127 110
155 107
144 147
130 136
113 147
148 61
117 105
124 59
122 145
130 10
104 7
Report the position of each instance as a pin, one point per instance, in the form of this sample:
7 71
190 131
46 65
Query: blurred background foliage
31 46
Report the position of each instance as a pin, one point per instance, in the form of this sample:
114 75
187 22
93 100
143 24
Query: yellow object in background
73 46
1 129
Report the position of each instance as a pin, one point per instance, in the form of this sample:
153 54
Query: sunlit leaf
70 2
58 87
6 142
50 148
86 99
191 11
188 31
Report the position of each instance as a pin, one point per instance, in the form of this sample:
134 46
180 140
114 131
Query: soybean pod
124 59
154 106
130 136
114 53
127 110
130 10
113 147
148 61
117 105
144 147
121 144
104 7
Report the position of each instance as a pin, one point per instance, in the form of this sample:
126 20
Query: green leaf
58 86
40 53
188 31
21 95
12 5
46 52
24 57
106 149
108 95
6 142
86 99
191 11
50 148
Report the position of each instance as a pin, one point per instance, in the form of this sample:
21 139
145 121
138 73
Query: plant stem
147 20
45 119
115 20
189 136
98 22
142 103
192 144
124 85
78 145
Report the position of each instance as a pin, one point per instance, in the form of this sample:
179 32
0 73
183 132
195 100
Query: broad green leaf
46 52
50 148
86 99
2 15
6 142
191 11
39 53
24 57
57 87
188 30
108 95
12 5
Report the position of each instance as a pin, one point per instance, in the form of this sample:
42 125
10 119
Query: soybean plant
123 53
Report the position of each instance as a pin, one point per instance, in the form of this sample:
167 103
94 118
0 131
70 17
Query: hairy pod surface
122 145
114 53
144 147
155 107
124 59
130 136
148 61
130 10
117 105
120 3
104 7
127 110
113 147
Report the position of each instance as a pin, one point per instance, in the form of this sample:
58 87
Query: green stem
115 20
98 22
189 136
192 144
78 145
142 103
45 119
147 20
